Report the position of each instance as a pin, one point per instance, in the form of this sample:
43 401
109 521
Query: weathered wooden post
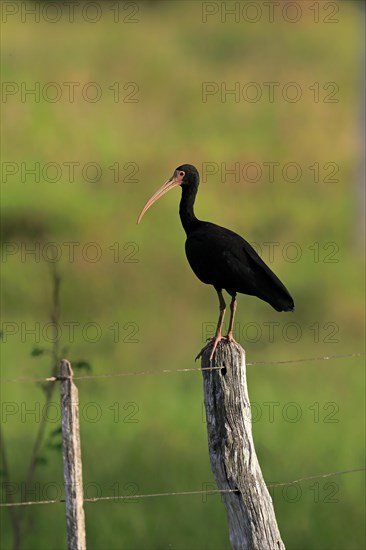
234 463
72 459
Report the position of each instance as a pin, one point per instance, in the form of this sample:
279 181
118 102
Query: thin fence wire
183 493
174 371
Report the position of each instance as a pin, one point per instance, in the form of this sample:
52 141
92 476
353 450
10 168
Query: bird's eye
181 173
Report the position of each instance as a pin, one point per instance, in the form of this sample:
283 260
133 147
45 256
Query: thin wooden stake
72 459
234 463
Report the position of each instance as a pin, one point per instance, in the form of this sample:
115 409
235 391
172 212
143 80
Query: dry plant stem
22 523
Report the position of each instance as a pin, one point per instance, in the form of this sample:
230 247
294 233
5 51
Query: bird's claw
201 352
215 341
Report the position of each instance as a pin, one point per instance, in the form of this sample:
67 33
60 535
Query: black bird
220 257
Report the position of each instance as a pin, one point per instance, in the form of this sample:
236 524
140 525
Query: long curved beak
168 185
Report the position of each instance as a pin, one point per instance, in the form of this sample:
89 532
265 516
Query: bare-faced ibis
220 257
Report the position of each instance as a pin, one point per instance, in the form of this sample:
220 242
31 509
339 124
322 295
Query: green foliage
41 460
82 365
37 351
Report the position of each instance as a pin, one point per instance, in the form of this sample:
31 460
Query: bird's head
185 175
188 173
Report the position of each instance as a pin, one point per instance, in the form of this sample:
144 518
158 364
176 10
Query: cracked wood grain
251 518
73 477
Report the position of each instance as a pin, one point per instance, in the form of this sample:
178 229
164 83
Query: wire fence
174 371
30 380
75 522
183 493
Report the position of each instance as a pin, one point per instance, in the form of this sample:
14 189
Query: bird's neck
186 211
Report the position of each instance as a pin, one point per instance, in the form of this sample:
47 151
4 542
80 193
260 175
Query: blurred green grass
169 53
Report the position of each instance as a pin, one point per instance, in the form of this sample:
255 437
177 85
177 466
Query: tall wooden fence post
72 459
234 463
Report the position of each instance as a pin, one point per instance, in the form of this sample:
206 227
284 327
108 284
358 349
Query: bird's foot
230 338
214 342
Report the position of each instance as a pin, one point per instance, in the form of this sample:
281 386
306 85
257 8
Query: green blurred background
138 307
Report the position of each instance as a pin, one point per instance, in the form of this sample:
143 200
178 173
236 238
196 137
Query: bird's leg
218 335
229 335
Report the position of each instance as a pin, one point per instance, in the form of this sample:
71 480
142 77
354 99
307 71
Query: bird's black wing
224 259
253 276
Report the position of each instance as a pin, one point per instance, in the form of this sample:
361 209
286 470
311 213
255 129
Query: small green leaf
55 432
82 365
41 460
54 446
37 351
